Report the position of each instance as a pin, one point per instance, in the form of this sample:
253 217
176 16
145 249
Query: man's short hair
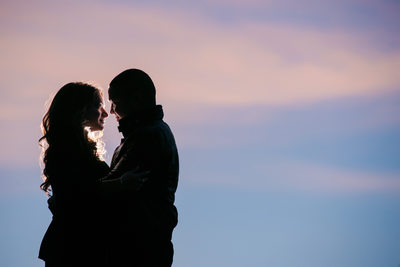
133 83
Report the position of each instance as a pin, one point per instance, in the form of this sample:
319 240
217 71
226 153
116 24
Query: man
141 221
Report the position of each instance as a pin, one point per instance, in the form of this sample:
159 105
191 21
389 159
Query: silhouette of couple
119 215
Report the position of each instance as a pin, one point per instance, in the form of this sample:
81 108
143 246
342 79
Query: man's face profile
116 109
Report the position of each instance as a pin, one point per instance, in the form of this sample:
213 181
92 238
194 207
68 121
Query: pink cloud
325 179
287 176
194 61
198 61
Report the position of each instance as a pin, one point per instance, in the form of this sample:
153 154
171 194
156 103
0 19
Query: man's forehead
113 92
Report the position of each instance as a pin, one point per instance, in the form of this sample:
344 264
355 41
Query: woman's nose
104 113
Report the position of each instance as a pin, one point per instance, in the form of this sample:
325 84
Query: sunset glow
286 116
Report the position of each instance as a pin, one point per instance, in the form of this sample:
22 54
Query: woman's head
76 109
95 114
75 106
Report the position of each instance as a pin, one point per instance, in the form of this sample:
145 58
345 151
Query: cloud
305 177
340 146
334 125
195 62
291 176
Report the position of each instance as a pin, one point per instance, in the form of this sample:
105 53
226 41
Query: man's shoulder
154 136
156 129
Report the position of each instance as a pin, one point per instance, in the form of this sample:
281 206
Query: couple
118 215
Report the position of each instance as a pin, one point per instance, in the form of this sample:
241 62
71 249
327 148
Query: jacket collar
131 122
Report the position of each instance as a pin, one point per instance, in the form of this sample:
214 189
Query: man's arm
129 173
137 166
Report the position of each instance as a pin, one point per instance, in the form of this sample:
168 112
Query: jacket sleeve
138 165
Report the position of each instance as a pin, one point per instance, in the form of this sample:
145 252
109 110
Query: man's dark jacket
144 219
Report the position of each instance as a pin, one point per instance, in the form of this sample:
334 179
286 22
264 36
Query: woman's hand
134 180
130 181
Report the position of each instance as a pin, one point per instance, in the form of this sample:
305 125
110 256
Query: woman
73 166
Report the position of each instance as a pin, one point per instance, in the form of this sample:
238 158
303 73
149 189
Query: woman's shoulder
78 165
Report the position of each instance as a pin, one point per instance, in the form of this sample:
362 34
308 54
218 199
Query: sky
285 113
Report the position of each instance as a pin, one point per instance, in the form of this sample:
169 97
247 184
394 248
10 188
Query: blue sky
285 115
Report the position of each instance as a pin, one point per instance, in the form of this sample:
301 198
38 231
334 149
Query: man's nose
112 109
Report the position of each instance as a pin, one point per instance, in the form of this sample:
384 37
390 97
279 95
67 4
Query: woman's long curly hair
63 130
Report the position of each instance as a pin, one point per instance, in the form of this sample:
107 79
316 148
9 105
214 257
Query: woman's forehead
98 98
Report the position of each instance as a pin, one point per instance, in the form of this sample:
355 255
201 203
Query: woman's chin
97 128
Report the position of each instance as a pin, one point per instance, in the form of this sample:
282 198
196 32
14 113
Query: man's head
130 91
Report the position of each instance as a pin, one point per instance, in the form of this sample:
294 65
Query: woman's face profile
96 115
